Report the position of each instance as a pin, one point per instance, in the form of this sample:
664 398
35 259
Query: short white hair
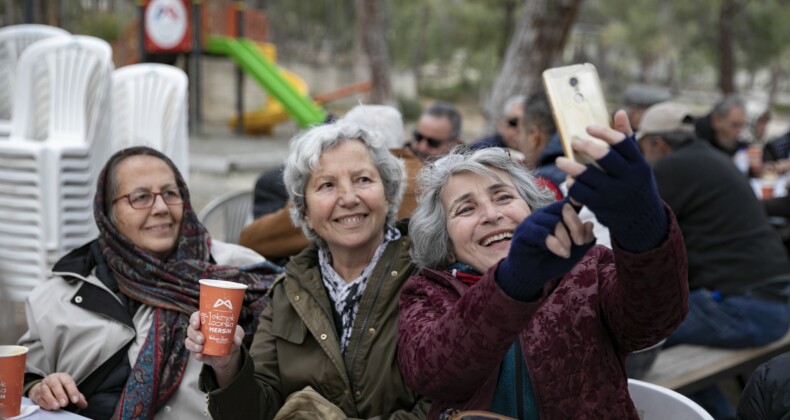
379 120
513 101
305 155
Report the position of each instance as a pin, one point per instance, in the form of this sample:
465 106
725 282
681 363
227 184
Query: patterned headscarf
171 287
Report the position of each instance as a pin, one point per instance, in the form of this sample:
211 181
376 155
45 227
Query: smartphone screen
577 101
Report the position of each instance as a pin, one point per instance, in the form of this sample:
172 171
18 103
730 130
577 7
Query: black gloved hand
530 264
624 198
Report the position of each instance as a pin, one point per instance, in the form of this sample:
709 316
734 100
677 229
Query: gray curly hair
304 158
431 245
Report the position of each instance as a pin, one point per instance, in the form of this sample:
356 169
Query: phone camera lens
574 81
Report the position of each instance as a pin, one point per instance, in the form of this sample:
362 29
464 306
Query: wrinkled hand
623 196
546 245
225 367
56 391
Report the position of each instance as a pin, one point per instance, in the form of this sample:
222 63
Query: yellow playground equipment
263 120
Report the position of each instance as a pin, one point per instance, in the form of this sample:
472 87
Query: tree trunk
509 22
726 49
329 30
539 39
418 54
773 87
9 12
51 10
372 23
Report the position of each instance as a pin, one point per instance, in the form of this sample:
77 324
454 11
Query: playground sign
167 26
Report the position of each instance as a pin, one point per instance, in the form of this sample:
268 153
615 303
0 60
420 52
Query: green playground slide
247 55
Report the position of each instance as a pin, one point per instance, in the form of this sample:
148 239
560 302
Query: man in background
638 98
723 125
437 131
507 126
738 270
540 142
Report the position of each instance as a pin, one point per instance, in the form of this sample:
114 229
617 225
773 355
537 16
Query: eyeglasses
145 200
512 122
432 143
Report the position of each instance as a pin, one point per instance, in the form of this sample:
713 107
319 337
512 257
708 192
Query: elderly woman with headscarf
106 334
515 310
331 328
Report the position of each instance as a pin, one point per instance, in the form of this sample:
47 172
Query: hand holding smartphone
577 101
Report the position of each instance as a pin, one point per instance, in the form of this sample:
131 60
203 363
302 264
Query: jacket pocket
288 326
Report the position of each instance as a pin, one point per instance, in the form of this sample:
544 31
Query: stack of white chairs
48 167
13 41
150 105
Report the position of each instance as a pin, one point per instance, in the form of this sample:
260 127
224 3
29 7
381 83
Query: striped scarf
345 296
171 288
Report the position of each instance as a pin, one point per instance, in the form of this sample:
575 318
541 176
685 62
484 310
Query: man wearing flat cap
737 265
638 98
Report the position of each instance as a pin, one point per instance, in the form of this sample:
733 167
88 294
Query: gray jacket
64 335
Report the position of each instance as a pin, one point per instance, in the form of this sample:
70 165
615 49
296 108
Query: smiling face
155 229
345 200
482 213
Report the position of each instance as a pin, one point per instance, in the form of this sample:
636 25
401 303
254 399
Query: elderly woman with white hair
332 322
275 237
515 310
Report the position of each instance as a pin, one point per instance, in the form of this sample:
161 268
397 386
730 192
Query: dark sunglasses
512 122
432 143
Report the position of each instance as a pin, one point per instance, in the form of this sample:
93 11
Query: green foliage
762 32
454 47
686 33
437 33
410 108
780 109
103 25
640 23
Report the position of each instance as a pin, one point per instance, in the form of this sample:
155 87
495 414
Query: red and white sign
167 27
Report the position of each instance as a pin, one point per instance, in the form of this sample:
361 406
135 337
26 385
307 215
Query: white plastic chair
58 143
150 104
655 402
70 121
227 215
13 41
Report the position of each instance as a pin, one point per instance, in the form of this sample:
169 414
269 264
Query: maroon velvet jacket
575 336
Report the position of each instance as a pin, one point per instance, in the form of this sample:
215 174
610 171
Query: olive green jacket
297 345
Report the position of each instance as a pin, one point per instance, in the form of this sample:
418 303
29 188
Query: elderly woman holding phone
330 330
106 333
515 310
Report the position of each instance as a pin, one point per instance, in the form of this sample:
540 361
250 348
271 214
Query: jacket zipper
369 314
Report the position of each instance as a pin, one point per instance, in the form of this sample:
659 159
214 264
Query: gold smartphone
577 101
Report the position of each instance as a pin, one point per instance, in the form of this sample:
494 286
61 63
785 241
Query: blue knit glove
624 198
530 264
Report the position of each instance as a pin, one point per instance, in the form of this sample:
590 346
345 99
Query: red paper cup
220 304
767 190
12 379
